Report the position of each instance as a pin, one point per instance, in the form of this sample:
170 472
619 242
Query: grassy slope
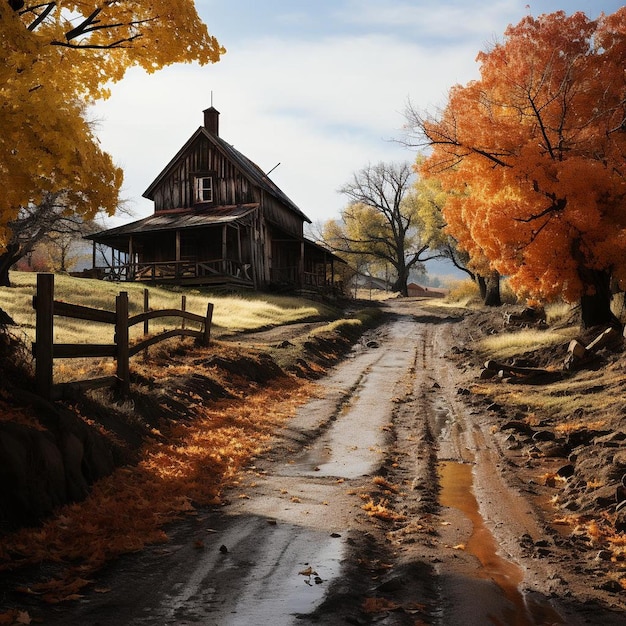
247 311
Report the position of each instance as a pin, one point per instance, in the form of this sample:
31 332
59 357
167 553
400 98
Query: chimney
212 120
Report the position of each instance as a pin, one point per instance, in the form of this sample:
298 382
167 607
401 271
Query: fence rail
45 350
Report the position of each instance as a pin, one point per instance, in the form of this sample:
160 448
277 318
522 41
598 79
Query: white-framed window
203 189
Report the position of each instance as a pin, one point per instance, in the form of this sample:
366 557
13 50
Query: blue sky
317 86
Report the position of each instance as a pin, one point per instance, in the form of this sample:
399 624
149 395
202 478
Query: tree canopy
379 222
532 157
56 58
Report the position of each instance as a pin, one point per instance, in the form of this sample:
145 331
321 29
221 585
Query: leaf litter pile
184 464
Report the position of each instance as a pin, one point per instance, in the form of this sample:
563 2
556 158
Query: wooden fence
45 350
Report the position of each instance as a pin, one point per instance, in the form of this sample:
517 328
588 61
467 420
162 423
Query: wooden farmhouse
218 220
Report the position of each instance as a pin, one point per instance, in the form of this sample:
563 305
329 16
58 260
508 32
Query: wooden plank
146 309
206 338
121 339
148 315
83 350
63 390
91 383
177 332
43 346
77 311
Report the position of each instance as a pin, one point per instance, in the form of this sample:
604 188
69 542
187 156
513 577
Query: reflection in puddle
309 588
456 491
294 585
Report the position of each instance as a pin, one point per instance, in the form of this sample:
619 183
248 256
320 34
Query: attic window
203 189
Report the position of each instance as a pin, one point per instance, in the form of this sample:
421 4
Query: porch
318 271
214 272
181 247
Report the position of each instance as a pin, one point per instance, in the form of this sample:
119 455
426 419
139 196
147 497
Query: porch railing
314 280
179 270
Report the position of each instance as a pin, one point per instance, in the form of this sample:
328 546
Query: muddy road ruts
385 499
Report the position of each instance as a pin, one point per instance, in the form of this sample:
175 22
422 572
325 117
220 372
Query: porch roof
315 249
172 220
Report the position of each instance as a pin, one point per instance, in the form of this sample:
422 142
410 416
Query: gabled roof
247 167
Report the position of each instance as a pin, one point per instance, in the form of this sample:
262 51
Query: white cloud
322 103
434 20
323 109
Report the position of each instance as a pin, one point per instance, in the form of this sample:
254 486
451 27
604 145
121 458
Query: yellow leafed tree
379 223
55 59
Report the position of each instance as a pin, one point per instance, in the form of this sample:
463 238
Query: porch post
224 249
177 245
301 263
131 260
254 254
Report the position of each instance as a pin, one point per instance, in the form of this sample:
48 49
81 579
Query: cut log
610 335
527 316
518 374
496 366
486 374
576 349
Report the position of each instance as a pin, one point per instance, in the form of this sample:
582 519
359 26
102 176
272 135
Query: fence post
206 339
146 308
183 308
121 339
44 334
146 323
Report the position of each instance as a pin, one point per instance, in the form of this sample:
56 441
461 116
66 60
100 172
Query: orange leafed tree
532 156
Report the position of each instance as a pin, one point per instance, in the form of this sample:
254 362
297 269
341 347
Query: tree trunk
400 284
595 306
7 259
482 286
492 292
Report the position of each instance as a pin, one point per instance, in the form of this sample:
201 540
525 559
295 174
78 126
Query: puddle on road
283 601
456 491
307 591
441 418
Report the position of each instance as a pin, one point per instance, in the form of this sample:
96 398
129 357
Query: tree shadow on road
436 319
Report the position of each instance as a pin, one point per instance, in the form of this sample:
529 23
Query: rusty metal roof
175 220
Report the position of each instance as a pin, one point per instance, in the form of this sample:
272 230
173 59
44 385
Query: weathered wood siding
279 215
269 240
230 187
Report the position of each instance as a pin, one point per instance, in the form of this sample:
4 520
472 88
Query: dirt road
387 499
